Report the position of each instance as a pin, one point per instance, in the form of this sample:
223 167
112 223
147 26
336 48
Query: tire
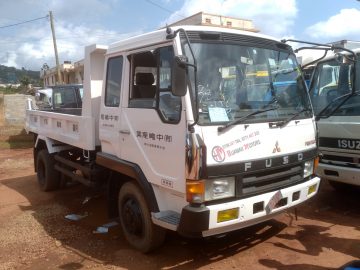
48 177
135 220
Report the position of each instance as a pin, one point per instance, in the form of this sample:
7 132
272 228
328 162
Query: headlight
219 188
308 168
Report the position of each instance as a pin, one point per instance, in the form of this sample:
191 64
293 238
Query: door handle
126 132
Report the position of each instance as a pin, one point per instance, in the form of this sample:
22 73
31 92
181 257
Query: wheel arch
126 171
51 145
47 176
40 144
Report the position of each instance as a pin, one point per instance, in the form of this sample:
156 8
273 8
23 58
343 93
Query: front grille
339 158
266 181
343 161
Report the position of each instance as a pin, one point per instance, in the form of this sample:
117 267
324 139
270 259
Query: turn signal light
316 163
195 191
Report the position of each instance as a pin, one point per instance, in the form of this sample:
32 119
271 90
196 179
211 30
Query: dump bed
77 130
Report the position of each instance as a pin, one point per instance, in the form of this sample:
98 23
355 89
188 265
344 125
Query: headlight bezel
308 168
219 188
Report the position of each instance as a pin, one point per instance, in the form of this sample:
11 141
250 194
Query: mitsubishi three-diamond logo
277 147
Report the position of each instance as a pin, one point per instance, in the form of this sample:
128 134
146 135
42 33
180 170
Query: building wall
70 74
79 72
79 77
14 108
202 18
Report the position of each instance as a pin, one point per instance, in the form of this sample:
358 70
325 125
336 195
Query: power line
163 8
114 36
11 19
15 24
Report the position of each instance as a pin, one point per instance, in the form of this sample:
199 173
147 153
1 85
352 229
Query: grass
15 138
9 90
16 144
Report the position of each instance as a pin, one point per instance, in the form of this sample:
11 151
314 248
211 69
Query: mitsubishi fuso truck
196 129
334 91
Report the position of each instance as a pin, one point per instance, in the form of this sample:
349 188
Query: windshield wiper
345 97
287 121
283 71
265 108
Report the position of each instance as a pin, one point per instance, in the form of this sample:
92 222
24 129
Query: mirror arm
170 35
196 120
316 60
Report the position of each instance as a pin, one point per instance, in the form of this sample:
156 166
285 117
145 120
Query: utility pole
55 47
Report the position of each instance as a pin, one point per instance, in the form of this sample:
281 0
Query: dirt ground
34 233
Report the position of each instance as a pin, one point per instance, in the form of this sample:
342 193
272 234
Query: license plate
273 201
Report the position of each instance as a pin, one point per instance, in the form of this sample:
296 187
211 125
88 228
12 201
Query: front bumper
202 221
342 174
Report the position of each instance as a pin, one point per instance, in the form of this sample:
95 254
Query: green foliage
16 144
9 90
12 75
25 81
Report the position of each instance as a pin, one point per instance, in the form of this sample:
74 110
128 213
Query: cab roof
159 36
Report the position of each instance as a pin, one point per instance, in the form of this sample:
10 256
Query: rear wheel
135 219
48 177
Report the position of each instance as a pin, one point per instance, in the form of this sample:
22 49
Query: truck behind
334 91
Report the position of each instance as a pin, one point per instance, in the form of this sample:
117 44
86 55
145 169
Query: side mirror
343 60
339 58
179 76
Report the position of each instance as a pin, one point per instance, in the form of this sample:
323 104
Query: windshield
333 79
234 81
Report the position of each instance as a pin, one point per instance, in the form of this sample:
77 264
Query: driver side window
151 83
169 105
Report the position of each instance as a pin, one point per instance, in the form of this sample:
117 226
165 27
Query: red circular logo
218 154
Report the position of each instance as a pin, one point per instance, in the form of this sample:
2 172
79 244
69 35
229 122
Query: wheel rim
132 217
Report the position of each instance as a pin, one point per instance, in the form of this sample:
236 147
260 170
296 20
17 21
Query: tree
25 81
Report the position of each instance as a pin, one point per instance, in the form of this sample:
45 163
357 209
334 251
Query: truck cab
334 94
215 159
61 98
178 145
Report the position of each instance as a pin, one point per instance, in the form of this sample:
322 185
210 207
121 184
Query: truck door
153 122
109 122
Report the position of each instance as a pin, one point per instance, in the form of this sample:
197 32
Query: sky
83 22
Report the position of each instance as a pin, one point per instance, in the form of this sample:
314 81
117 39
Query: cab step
166 219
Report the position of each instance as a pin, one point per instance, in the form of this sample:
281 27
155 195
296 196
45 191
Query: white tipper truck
195 129
334 91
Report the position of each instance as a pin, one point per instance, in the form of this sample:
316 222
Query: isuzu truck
334 91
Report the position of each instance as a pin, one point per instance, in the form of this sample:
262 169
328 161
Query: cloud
9 59
84 22
342 25
73 10
80 9
271 17
76 25
37 48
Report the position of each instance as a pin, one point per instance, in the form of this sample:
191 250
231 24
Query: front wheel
48 177
135 220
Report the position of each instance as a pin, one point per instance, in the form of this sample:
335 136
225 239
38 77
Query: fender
52 145
131 170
